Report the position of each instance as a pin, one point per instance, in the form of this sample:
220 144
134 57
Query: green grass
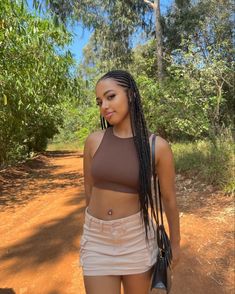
70 146
214 164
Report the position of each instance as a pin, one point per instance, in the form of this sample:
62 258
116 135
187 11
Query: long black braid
141 140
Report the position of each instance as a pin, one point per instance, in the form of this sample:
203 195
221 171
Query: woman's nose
105 104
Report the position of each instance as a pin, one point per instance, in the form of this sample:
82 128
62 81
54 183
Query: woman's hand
175 254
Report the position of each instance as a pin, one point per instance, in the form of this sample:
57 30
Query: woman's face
112 101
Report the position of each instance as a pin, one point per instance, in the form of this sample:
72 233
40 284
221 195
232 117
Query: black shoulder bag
161 278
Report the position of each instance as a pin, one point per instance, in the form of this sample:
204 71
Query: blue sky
81 38
82 35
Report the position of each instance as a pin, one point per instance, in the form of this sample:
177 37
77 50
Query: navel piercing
110 212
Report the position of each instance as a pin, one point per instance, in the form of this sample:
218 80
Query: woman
118 243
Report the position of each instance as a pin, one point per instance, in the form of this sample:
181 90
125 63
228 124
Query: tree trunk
158 40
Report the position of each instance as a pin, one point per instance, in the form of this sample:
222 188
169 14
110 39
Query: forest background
47 98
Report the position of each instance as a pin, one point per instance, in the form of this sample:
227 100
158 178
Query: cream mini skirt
116 247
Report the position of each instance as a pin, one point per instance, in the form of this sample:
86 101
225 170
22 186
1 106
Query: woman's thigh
102 284
137 283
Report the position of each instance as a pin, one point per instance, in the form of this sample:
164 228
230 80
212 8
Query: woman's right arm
87 158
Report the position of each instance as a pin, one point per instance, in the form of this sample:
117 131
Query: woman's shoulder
162 146
161 141
94 137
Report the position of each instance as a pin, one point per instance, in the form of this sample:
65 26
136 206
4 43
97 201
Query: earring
104 123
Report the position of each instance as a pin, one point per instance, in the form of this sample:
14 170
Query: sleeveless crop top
115 164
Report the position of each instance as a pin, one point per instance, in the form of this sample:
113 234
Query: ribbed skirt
116 247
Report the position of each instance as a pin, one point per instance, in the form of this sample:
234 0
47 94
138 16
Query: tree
210 49
35 79
196 98
158 31
113 22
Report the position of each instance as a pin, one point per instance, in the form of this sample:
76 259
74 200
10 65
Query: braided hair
141 141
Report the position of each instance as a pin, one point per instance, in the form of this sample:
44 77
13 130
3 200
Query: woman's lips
109 114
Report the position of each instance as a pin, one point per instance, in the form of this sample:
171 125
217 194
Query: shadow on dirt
49 242
193 277
55 292
62 153
35 177
7 291
194 196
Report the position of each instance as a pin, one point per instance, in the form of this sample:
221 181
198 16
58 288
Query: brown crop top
115 164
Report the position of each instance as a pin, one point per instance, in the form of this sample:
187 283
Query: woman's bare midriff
121 204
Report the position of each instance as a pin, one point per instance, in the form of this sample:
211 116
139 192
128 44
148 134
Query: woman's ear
130 95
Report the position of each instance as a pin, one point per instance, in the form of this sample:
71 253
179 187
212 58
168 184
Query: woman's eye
99 103
111 96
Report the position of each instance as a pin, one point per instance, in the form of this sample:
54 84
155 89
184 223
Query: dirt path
41 216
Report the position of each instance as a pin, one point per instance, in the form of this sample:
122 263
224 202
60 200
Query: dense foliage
114 23
35 79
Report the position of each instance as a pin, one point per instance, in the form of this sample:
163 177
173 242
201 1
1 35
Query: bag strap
156 184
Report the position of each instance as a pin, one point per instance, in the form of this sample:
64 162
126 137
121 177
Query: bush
212 162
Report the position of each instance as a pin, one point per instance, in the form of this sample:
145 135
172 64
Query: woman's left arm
166 173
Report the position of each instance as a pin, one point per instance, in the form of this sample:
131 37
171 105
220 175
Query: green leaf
4 99
22 6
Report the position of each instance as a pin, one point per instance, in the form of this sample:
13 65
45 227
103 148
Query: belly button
110 212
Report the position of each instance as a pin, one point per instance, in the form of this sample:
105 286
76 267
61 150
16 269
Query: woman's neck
123 130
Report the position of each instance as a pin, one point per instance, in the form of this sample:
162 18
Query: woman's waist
110 205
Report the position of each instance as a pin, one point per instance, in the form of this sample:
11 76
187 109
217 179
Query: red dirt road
41 217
